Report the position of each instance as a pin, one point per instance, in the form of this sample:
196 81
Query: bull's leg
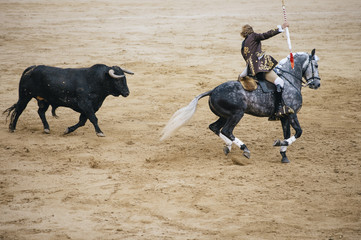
90 114
216 128
82 121
94 120
53 108
43 106
18 110
227 131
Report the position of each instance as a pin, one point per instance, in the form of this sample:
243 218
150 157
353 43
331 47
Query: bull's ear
313 52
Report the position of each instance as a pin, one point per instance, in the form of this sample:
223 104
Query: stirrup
273 118
279 88
284 110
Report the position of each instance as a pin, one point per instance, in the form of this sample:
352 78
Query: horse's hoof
277 143
100 134
285 160
226 150
47 131
247 154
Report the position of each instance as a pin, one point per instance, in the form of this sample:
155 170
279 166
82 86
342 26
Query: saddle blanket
250 84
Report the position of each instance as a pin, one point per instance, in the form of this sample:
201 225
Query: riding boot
278 104
281 108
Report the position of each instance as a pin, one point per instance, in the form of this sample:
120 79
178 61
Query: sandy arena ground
129 185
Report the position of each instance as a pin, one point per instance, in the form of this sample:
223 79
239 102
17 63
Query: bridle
313 78
308 80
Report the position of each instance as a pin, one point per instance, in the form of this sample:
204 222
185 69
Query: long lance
288 35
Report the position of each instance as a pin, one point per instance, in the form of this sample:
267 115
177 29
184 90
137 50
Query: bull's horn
129 72
113 75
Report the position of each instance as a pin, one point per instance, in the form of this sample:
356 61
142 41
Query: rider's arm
271 33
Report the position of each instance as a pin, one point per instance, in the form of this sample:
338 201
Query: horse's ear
313 52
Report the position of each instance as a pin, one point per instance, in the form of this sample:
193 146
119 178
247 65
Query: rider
258 62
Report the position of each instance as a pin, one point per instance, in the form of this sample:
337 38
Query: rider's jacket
257 60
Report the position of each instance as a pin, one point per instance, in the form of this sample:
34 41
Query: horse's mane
287 59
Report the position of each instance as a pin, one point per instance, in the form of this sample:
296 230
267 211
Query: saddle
251 83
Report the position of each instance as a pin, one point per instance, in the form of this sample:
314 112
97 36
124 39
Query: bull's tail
10 112
182 116
28 70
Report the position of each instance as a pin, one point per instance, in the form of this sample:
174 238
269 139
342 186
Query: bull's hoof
247 154
285 160
67 131
12 130
226 150
47 131
100 134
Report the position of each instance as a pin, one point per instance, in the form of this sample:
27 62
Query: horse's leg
286 135
43 106
216 128
217 125
296 125
286 122
227 149
227 131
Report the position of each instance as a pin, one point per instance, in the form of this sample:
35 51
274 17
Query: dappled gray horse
230 101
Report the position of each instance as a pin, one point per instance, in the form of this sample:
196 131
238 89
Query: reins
284 71
308 80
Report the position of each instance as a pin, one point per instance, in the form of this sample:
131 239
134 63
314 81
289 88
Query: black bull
81 89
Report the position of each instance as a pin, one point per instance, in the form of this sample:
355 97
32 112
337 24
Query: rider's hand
285 25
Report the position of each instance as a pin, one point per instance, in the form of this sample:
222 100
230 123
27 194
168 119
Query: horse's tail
182 116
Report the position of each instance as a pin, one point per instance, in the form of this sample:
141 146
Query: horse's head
310 71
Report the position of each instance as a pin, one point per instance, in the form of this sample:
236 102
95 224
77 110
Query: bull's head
120 81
